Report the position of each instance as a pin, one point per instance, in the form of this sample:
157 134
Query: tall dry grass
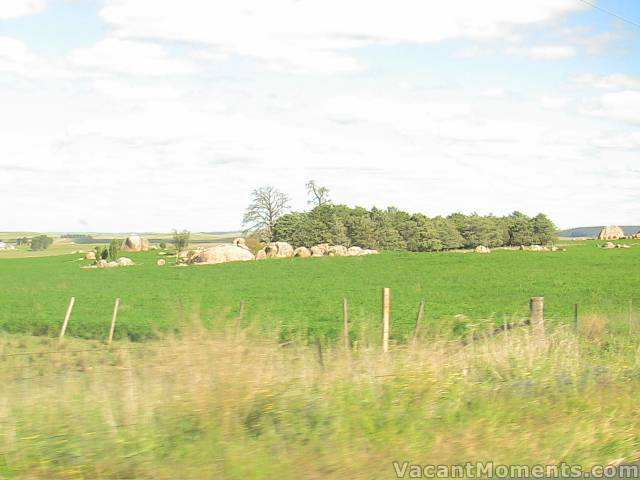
215 405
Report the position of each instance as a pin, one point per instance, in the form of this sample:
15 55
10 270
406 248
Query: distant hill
592 232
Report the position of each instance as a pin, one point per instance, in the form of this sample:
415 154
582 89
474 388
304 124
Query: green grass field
302 297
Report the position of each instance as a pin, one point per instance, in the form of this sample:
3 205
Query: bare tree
267 205
319 195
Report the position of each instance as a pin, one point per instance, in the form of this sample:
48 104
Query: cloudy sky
148 115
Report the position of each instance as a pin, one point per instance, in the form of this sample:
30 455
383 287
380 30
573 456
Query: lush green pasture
303 296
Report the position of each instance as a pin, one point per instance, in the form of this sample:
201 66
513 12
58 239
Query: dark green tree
447 233
520 229
386 235
544 230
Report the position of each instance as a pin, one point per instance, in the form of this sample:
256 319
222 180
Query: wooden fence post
345 322
418 321
113 321
66 317
386 312
575 316
536 307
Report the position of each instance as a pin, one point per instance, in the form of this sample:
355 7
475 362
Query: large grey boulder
278 250
135 243
611 232
302 252
220 254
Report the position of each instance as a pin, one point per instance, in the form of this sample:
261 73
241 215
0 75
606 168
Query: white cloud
629 141
495 92
14 52
608 82
546 52
317 36
129 57
20 8
167 112
554 103
623 105
137 92
202 149
16 58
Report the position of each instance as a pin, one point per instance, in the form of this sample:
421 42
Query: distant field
64 246
302 297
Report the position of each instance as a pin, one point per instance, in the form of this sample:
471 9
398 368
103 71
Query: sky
150 115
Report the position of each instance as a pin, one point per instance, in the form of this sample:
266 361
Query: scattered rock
90 256
125 262
261 255
337 251
161 262
279 250
538 248
187 254
611 232
302 252
622 245
220 254
354 251
482 249
320 250
240 242
135 243
608 245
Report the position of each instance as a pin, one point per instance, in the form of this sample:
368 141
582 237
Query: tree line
387 229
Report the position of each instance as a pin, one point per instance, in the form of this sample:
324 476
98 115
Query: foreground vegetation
301 298
209 404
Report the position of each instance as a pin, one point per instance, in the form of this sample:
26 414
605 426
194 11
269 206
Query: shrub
114 249
41 242
181 239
